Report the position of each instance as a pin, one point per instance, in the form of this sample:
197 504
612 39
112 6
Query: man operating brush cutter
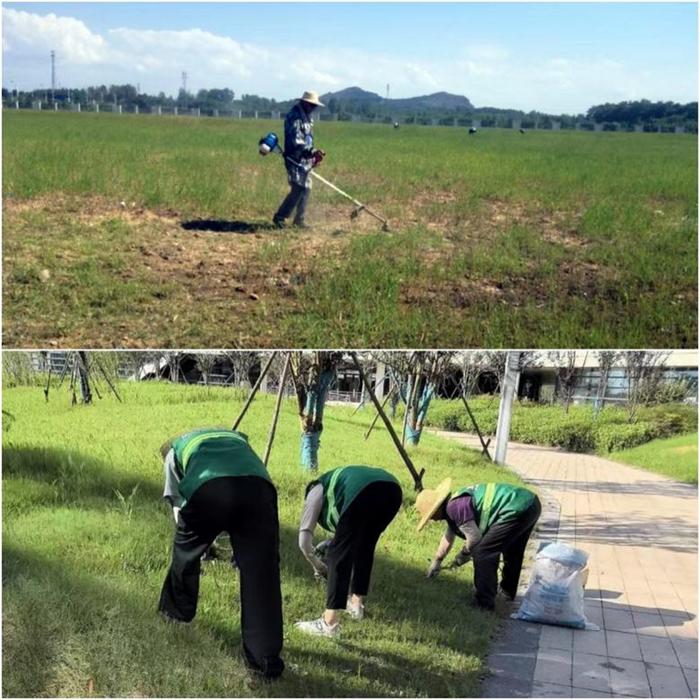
300 157
494 520
215 482
357 504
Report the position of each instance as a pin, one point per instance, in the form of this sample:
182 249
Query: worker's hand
434 569
318 155
321 549
461 559
321 571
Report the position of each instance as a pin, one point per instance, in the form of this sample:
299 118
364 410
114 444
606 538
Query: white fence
515 123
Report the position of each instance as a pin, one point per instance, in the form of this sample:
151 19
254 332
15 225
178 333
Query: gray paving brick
590 671
623 645
553 666
586 693
667 681
657 650
649 623
691 677
687 651
618 620
628 677
557 637
590 642
550 690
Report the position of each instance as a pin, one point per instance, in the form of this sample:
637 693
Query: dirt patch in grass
577 281
555 226
222 277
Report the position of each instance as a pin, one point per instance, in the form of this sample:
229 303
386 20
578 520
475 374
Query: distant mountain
352 99
351 94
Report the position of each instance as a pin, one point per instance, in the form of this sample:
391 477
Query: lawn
138 231
676 457
86 543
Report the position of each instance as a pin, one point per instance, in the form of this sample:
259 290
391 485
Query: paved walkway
640 531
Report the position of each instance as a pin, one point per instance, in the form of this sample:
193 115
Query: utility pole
184 88
53 75
509 390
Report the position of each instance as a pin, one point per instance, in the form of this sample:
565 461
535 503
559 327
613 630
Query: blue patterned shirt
298 146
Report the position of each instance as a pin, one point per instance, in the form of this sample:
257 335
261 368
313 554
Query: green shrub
579 430
611 438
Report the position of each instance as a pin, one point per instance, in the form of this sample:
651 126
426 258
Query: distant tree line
645 112
649 115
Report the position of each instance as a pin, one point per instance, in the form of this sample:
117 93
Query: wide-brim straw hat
429 500
311 97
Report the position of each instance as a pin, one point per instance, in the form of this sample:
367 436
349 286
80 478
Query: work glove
434 569
318 155
460 560
321 572
321 549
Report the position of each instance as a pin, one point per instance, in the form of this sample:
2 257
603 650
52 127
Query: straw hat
429 500
311 97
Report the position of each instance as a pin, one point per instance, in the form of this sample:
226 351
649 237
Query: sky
551 57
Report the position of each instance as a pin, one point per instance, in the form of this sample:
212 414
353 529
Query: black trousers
351 553
298 197
508 538
246 508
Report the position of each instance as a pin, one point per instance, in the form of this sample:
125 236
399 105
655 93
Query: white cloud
488 74
26 33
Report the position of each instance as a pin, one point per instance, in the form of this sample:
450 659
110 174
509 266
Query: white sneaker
319 627
356 612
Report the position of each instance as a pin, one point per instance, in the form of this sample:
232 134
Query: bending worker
493 520
356 504
214 483
300 157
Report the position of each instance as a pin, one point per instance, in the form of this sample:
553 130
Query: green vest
496 502
340 488
210 453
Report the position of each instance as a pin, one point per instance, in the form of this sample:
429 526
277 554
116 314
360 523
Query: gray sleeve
471 533
312 509
171 473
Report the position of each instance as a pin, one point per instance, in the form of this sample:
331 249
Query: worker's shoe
277 222
268 668
171 619
300 224
505 594
319 627
356 612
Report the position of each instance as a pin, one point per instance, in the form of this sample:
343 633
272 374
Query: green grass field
676 457
86 543
548 239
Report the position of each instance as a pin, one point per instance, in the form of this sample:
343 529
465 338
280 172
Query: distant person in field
300 157
356 504
214 483
494 520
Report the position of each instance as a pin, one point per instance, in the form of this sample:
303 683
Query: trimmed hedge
579 430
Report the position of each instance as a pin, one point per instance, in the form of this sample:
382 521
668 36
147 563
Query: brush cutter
270 142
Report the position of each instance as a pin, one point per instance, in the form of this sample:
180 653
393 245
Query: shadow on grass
80 477
224 226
